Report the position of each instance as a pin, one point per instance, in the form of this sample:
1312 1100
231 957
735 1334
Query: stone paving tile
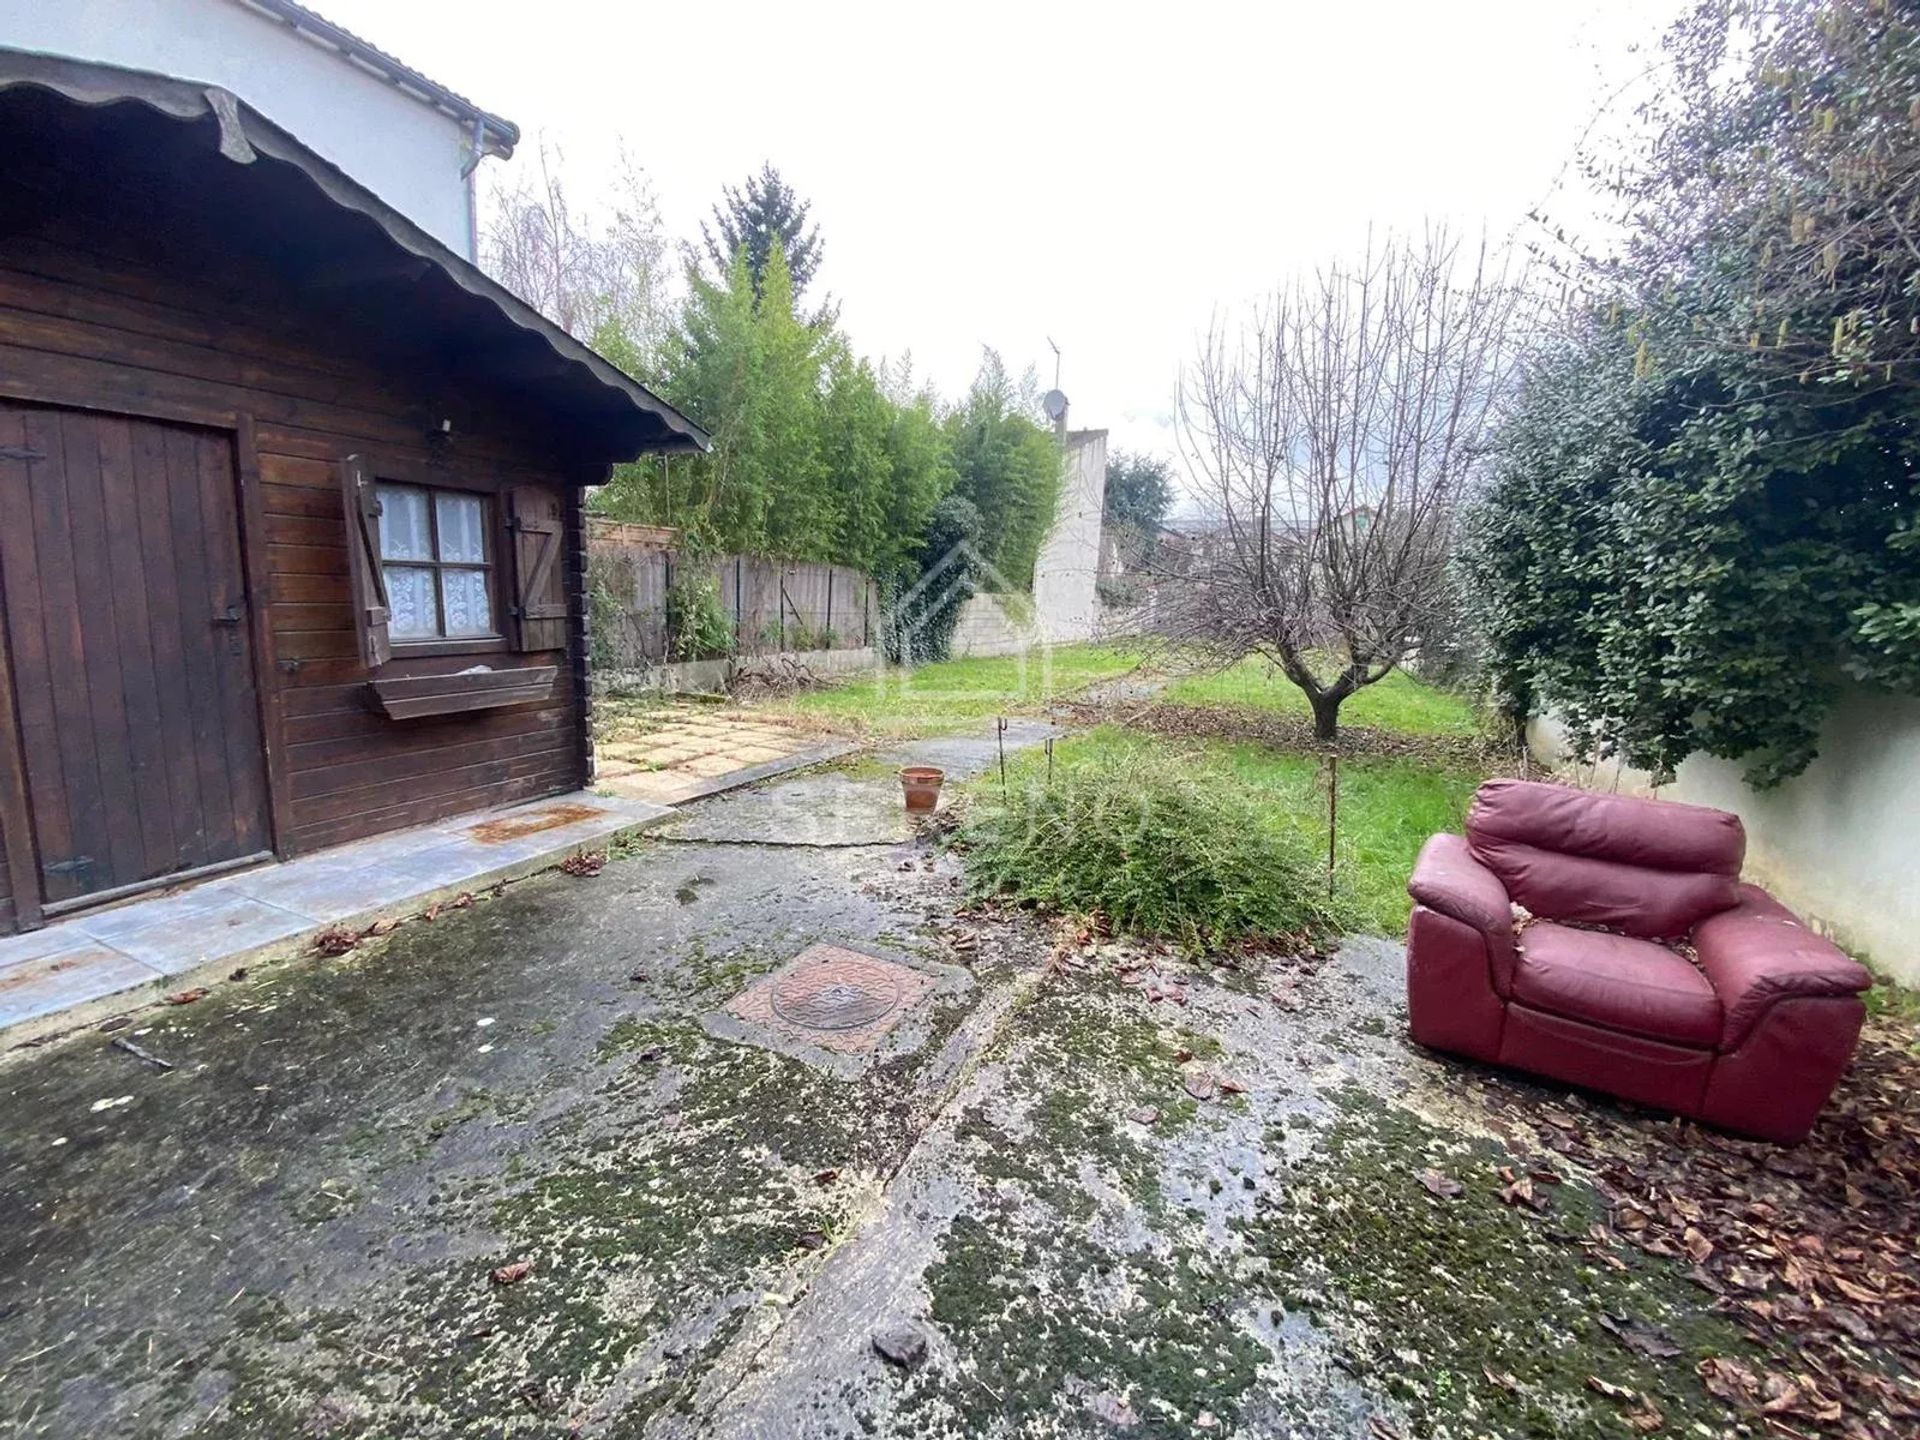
710 766
174 939
38 945
755 754
73 976
323 889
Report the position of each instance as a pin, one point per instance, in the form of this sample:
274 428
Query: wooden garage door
126 614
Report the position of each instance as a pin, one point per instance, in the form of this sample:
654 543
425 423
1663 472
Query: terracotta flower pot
922 786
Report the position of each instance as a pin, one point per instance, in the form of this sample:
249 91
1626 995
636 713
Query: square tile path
684 752
98 959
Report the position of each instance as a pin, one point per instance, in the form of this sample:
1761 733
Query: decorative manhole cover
833 998
839 991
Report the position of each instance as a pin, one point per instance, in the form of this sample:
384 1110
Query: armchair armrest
1758 953
1449 878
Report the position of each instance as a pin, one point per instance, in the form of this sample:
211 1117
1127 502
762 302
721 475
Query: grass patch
1156 845
1399 703
958 694
1236 841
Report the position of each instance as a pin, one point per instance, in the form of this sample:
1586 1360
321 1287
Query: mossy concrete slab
1197 1215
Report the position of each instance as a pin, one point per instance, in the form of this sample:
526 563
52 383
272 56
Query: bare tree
1328 437
605 278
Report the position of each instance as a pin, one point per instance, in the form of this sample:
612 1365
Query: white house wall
406 152
1838 842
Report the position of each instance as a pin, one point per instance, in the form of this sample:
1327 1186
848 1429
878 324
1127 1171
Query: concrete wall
1066 600
1839 842
407 153
987 627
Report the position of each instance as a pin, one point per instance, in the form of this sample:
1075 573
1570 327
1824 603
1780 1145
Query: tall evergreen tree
1009 466
764 214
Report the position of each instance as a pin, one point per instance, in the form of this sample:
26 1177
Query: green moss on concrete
1046 1318
1426 1295
1049 1290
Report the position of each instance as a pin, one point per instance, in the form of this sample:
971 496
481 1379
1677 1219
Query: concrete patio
128 954
762 1133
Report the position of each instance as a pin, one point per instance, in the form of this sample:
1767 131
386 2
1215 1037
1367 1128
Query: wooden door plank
101 676
164 621
71 816
197 608
16 814
133 630
232 645
270 692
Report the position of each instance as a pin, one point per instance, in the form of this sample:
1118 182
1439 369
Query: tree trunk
1326 715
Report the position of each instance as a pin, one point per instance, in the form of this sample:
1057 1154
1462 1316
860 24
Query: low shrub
698 626
1155 849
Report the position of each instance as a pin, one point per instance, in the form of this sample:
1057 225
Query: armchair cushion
1616 981
1448 877
1758 953
1650 868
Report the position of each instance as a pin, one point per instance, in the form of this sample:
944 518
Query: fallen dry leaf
1611 1390
511 1274
1199 1084
1144 1115
1640 1337
1445 1186
1645 1417
1501 1380
187 997
1114 1410
335 940
1521 1194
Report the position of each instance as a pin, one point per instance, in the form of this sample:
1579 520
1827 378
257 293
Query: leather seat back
1651 868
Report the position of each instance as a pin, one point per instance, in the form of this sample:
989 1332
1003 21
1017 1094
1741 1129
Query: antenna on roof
1056 364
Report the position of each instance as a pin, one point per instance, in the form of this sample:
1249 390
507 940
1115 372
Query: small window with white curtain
436 556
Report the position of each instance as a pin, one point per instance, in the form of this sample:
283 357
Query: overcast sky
1104 174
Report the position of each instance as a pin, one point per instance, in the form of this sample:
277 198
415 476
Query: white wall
1066 600
1840 842
407 153
985 627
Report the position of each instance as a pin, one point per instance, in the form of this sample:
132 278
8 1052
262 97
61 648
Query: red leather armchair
1751 1034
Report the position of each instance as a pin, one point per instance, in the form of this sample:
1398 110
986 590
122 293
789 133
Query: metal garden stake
1333 815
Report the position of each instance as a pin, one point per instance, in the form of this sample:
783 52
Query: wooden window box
409 697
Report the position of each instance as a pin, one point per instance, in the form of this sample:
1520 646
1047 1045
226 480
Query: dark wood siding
81 329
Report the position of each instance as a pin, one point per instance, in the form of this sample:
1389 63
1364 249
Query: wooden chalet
291 528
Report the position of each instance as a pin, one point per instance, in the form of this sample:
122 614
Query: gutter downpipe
469 173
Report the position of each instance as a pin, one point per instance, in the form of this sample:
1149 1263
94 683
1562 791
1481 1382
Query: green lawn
959 694
1398 702
1388 807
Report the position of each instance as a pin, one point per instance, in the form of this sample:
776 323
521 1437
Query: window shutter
539 612
368 581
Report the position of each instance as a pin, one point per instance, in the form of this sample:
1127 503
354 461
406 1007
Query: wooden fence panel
775 605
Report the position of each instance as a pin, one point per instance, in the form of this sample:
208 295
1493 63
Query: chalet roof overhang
195 179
